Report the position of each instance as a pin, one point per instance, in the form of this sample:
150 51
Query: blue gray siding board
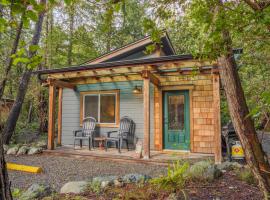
130 105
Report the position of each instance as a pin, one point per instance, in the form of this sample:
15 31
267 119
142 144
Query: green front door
176 120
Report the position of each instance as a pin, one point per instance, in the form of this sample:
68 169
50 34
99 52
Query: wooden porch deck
156 157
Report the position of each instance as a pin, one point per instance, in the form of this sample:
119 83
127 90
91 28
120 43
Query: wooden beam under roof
215 69
152 77
59 83
106 79
127 69
127 75
132 77
95 72
156 69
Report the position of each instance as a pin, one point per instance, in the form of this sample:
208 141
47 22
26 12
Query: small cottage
174 100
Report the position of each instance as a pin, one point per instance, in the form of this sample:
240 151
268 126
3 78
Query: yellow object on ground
237 151
25 168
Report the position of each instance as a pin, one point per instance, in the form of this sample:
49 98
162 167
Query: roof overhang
128 70
115 64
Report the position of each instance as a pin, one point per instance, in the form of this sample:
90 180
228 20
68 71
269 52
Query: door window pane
91 106
107 108
176 112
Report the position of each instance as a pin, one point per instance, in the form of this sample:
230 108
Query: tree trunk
50 63
42 106
30 112
5 193
9 59
242 122
71 30
16 108
42 112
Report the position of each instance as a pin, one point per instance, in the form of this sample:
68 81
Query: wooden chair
123 134
86 133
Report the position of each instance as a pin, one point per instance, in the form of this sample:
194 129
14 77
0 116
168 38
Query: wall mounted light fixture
137 90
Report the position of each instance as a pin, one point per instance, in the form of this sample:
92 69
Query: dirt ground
227 187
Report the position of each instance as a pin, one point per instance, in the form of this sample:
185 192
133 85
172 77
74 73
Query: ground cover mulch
227 187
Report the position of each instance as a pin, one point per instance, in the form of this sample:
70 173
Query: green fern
175 178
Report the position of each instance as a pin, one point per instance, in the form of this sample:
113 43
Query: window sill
107 125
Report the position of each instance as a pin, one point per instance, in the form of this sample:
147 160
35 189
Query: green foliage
246 175
34 61
95 187
197 170
5 2
150 49
175 178
31 15
225 115
68 2
150 27
3 25
16 193
22 126
21 60
34 48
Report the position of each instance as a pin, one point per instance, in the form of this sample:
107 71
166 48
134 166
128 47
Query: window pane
107 108
91 106
176 112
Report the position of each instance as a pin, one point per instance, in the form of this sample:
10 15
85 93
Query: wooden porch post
59 136
158 118
51 120
217 124
146 107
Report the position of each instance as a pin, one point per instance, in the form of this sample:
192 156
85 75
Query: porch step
157 158
107 157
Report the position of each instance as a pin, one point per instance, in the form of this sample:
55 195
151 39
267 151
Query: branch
258 6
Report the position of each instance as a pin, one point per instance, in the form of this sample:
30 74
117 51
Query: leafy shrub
95 186
225 116
246 175
22 126
197 170
16 193
175 178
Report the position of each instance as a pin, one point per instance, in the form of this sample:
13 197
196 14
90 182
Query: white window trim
99 94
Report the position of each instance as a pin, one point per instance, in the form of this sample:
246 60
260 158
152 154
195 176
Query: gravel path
59 170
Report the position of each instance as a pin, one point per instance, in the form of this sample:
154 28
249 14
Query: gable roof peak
128 51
